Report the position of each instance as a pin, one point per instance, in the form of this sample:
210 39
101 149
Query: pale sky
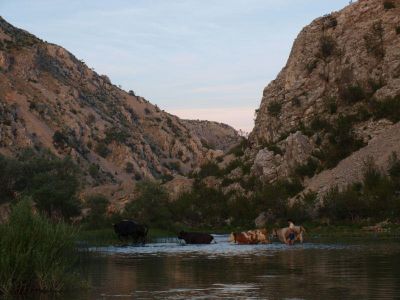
198 59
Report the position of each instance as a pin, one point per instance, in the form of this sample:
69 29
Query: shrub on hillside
51 182
274 108
375 197
342 140
388 108
203 206
352 94
308 169
238 150
374 40
209 169
151 207
102 149
389 4
327 46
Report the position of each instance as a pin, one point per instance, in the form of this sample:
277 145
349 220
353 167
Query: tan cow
257 236
283 234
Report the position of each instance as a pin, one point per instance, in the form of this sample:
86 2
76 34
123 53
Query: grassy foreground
35 254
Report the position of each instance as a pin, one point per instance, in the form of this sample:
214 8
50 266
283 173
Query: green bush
11 173
374 40
389 5
102 149
318 124
202 207
275 148
274 196
59 139
308 169
296 102
151 207
51 182
302 210
97 215
129 167
332 108
120 135
342 142
35 255
209 169
375 198
352 94
175 165
311 65
327 46
238 150
274 108
388 108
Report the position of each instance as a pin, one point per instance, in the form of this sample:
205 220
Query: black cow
195 237
128 228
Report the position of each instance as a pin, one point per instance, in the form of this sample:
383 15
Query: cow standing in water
258 236
195 237
128 228
283 234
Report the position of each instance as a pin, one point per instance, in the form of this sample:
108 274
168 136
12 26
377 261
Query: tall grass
35 254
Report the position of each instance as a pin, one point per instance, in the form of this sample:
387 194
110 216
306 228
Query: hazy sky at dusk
205 59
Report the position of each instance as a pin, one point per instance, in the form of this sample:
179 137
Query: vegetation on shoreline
35 254
51 182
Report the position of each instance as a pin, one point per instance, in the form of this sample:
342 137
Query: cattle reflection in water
313 270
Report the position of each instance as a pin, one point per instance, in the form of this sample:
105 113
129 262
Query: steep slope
338 60
214 135
339 90
50 99
350 169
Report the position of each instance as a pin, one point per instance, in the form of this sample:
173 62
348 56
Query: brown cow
251 237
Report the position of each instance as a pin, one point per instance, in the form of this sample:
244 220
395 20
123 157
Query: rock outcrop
335 63
214 135
335 103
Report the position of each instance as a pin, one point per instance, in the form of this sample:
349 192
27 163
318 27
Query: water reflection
363 270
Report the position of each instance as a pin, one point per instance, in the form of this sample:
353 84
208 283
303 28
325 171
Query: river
318 269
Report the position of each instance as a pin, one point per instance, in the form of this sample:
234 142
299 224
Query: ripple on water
222 247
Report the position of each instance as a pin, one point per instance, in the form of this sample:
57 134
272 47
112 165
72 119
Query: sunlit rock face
50 99
333 62
344 68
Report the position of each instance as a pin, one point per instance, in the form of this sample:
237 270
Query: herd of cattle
138 233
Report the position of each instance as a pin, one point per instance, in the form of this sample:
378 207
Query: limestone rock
178 186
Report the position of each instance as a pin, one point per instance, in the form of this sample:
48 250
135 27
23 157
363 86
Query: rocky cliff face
214 135
50 99
336 62
339 91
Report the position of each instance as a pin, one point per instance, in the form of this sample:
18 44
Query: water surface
356 269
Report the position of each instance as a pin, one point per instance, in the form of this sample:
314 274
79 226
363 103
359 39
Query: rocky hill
338 94
214 135
50 99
